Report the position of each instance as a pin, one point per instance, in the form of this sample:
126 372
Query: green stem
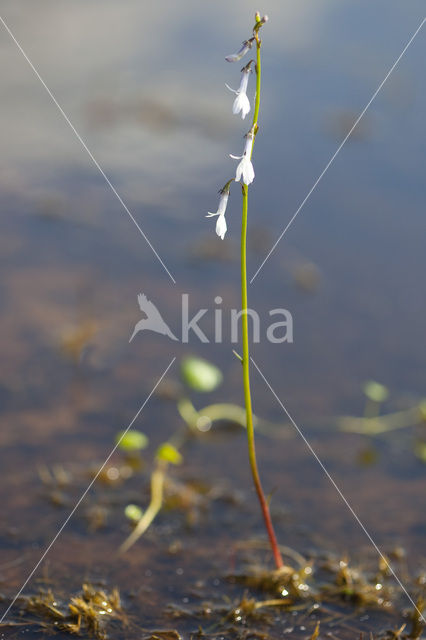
246 352
247 392
381 424
258 77
157 491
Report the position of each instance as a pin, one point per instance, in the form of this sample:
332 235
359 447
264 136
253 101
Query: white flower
241 102
221 221
245 167
221 227
234 57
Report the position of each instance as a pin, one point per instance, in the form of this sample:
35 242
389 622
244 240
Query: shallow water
144 88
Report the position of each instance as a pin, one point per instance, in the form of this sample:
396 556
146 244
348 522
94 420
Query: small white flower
234 57
245 167
221 221
221 227
241 102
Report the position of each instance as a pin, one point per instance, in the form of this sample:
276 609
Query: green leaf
169 453
200 375
131 440
375 391
133 512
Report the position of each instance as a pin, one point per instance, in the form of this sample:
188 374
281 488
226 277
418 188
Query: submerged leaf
376 391
133 512
169 453
200 375
131 440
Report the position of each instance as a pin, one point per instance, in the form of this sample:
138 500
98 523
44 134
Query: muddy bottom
203 567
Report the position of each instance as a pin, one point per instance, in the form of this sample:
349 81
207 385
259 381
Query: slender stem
258 78
247 393
246 352
157 491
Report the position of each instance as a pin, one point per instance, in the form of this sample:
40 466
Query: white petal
249 146
241 102
248 171
245 105
221 226
235 157
239 171
244 82
236 107
211 215
222 204
230 88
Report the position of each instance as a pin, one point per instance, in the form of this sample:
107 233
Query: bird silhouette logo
153 321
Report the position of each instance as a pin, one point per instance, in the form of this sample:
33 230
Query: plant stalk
247 392
246 352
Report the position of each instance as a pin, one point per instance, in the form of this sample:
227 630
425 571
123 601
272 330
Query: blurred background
144 85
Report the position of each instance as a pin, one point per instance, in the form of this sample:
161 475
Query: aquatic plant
88 613
374 424
245 174
201 376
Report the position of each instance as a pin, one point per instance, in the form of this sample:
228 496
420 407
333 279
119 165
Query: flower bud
234 57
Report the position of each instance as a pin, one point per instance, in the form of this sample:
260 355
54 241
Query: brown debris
86 613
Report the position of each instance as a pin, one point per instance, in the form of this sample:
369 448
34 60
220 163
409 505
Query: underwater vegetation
325 588
375 425
313 600
87 613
